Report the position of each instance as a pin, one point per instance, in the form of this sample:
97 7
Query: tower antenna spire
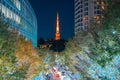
57 34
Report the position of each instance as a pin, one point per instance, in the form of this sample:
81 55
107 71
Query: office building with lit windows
21 18
85 11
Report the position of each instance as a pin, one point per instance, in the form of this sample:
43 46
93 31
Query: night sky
46 11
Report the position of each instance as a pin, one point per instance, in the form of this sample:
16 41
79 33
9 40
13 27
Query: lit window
85 18
7 12
14 16
98 21
0 7
102 3
98 2
94 17
16 3
11 16
98 17
4 10
103 8
102 16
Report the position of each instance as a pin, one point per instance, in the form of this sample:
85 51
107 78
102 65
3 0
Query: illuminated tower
57 34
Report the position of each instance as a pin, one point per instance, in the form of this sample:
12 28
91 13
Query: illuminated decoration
57 34
56 73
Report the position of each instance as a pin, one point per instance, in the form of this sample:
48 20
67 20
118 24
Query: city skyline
46 16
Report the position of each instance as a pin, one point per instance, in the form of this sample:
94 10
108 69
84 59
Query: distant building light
98 22
103 3
102 16
85 18
94 17
98 2
103 8
98 17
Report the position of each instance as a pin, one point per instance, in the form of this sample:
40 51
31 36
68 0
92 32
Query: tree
7 50
28 56
108 43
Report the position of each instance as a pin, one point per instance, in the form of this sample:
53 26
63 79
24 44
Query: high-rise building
87 10
21 17
57 34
